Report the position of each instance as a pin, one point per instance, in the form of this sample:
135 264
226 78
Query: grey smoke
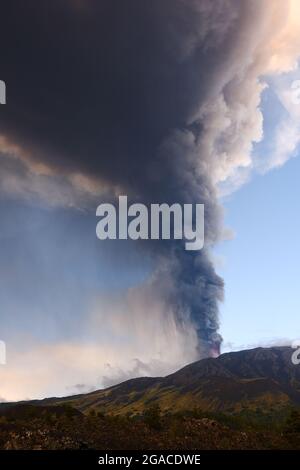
158 100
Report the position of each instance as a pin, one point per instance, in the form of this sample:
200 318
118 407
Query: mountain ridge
259 378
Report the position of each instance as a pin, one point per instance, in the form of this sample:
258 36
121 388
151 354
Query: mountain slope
262 378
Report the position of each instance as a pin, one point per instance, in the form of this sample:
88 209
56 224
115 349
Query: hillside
241 400
262 378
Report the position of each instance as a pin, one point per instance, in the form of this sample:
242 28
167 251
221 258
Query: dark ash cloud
132 94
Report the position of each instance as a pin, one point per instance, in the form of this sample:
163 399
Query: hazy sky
176 101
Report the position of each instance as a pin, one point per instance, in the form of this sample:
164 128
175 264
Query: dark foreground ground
62 427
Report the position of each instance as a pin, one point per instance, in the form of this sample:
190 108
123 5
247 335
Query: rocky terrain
63 428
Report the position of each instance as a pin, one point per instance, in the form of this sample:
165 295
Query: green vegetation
293 421
152 417
37 427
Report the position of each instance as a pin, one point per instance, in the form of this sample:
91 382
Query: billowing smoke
155 99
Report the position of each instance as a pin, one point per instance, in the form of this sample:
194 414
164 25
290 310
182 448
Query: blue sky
261 264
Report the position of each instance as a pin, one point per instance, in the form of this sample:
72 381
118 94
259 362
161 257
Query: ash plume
158 100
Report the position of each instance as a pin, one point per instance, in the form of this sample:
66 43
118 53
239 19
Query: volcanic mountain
258 379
